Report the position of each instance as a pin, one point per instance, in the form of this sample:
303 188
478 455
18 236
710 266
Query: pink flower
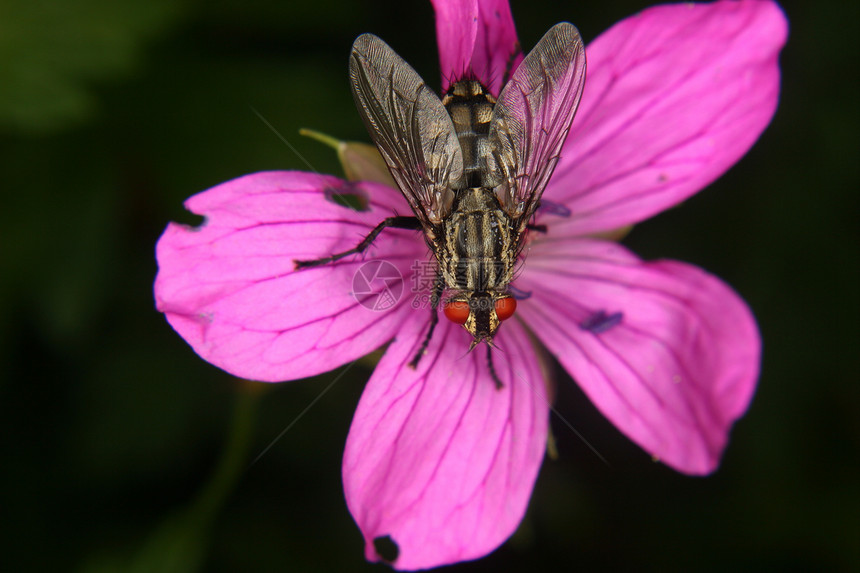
439 463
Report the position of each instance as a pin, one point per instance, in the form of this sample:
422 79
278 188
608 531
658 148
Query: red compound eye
505 307
457 311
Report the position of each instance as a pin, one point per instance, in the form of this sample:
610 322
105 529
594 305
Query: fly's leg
438 288
411 223
537 228
492 366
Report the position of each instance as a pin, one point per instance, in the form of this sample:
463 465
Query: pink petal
677 369
674 96
476 38
230 290
438 459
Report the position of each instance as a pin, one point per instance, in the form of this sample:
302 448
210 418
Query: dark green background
112 113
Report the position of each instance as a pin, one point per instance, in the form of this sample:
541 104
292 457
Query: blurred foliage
50 50
123 451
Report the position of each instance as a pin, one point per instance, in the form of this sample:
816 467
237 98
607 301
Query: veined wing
532 118
409 125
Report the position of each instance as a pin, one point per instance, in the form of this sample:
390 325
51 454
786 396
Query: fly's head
480 313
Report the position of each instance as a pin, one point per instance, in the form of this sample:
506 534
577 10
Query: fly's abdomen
471 109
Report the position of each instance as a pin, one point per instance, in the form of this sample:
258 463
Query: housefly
472 167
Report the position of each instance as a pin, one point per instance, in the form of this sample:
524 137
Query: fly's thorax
478 249
470 106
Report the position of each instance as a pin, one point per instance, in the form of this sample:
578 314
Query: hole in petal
192 221
348 195
386 548
601 322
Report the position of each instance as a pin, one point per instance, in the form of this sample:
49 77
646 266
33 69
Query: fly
472 167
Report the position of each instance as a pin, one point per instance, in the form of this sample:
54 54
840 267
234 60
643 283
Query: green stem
234 458
322 138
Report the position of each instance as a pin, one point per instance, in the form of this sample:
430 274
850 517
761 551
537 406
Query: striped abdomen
471 109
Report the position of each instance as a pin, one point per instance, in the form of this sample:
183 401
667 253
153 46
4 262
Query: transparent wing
409 125
532 118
